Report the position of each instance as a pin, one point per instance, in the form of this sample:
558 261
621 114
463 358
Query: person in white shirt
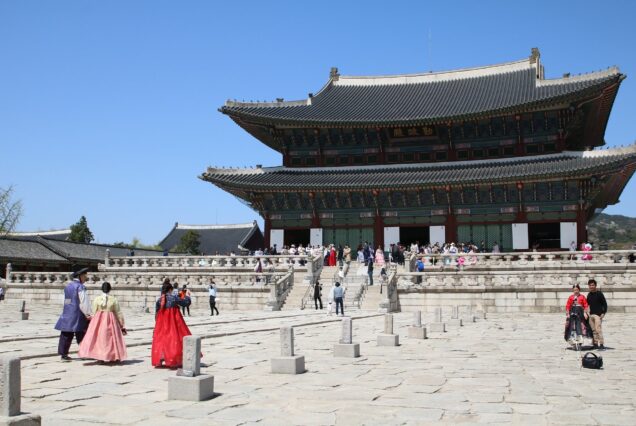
212 294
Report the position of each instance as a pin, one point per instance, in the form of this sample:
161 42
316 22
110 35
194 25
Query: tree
10 211
80 233
189 243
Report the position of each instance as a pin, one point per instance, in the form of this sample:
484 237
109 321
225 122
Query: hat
79 270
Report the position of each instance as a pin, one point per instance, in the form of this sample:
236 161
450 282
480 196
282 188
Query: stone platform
511 368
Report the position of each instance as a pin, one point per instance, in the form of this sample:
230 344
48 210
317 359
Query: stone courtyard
508 368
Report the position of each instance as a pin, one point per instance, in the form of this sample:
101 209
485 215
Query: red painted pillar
581 229
451 228
378 231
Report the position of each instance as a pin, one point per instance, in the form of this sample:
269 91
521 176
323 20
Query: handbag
591 360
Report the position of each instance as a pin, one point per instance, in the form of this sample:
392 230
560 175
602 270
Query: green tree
189 243
10 211
80 233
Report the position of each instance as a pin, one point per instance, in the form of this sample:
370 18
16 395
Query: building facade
493 154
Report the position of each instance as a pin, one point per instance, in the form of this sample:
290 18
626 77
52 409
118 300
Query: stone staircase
371 298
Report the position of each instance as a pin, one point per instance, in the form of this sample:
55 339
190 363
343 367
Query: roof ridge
204 227
430 77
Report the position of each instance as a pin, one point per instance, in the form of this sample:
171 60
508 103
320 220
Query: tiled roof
33 251
91 252
428 98
217 238
567 163
59 234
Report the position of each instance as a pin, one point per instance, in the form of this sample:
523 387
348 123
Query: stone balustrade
144 279
523 260
277 262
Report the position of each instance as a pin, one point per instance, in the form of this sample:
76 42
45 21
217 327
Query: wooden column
581 230
378 231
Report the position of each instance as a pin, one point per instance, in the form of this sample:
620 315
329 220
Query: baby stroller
577 327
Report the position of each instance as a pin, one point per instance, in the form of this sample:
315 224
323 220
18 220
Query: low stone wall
243 291
512 291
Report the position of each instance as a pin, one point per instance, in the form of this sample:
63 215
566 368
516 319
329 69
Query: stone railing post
11 394
189 384
288 362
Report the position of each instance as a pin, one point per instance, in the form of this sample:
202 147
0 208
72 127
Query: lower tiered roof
519 169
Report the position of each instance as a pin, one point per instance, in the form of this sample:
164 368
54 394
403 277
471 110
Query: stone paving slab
507 369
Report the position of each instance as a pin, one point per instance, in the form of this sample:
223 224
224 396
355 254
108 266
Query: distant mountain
614 231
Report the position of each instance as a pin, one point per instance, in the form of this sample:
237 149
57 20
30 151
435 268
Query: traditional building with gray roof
218 239
498 153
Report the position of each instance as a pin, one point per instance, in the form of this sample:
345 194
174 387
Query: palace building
495 154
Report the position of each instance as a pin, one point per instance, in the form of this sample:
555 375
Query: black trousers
66 338
316 300
213 305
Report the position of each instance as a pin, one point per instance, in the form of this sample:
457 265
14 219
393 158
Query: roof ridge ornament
534 55
333 74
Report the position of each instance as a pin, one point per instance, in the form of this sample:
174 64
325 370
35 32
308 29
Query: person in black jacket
317 295
598 309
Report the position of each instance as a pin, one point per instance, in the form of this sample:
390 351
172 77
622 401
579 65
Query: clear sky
108 109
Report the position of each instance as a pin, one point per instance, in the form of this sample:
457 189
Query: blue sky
109 109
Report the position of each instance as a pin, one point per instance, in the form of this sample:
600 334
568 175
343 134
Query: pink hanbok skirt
103 340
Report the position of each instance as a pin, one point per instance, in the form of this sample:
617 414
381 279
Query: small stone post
23 313
388 338
287 362
346 347
11 394
455 321
8 271
438 326
416 331
191 357
189 384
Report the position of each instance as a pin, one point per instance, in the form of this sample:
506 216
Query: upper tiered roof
428 98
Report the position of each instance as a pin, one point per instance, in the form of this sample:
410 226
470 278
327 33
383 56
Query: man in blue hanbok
76 313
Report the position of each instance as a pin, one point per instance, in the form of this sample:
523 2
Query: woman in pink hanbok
104 339
379 256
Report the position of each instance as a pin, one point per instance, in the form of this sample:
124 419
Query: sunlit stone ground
510 368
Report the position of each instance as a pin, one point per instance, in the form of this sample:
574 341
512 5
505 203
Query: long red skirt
103 340
167 339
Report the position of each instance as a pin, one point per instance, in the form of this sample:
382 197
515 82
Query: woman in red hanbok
170 328
332 256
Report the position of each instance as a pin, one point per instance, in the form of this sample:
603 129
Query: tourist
258 268
338 296
317 294
212 293
598 309
360 256
495 248
379 256
332 256
1 294
186 296
330 300
370 272
104 339
76 313
586 247
347 258
170 329
340 255
576 309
